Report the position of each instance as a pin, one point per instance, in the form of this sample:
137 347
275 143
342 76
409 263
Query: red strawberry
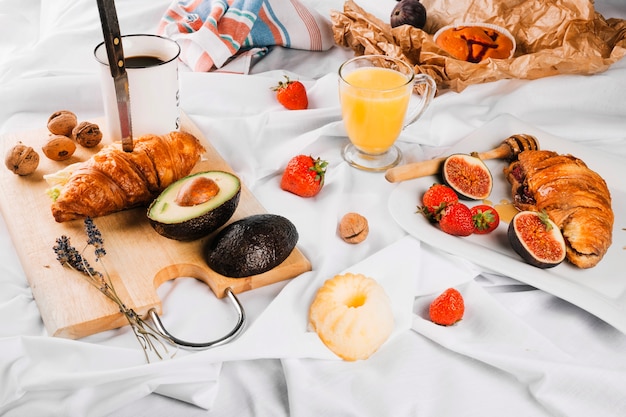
485 218
448 308
435 199
304 176
456 219
291 94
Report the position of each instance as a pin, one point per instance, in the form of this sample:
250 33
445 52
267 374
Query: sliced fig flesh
468 176
537 239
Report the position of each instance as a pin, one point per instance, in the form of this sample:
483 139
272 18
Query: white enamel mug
152 67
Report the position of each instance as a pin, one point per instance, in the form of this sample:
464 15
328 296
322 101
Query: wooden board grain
138 259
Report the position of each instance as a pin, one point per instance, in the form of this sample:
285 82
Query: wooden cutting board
138 259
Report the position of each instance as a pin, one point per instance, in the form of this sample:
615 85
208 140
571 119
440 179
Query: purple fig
408 12
537 239
468 176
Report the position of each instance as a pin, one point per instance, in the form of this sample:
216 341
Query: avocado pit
196 191
195 206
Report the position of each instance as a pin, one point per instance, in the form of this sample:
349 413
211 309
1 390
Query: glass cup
152 66
375 92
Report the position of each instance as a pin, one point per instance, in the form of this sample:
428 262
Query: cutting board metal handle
241 320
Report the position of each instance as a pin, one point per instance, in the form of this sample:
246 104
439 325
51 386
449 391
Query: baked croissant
576 198
113 180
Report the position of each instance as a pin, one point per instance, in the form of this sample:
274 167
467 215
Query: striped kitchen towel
212 33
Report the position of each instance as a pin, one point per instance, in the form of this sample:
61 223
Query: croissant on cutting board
576 198
113 180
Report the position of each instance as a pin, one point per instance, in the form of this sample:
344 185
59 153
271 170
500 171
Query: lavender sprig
67 255
149 338
94 238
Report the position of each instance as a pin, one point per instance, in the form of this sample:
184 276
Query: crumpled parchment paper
553 37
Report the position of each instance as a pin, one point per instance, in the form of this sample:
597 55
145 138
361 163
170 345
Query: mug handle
427 97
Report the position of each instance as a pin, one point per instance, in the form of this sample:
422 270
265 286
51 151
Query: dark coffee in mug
142 61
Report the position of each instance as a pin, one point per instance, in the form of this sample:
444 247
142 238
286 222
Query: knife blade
115 55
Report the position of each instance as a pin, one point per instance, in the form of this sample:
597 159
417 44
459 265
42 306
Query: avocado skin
200 226
252 245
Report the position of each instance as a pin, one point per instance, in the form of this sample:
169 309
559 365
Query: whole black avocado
251 245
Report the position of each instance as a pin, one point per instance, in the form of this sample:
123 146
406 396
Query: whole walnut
22 159
353 228
87 134
62 122
59 148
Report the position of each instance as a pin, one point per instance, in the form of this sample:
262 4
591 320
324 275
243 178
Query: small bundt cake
475 43
352 315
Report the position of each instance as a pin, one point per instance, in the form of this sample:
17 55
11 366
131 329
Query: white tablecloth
520 351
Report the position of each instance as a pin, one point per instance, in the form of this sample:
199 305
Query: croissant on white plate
575 197
113 180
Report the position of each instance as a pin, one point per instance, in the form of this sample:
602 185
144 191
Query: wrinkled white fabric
518 351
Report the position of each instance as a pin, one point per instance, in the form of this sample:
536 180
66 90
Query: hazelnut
353 228
22 159
62 122
59 148
87 134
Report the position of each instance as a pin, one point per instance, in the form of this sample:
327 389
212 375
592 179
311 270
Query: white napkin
282 330
494 335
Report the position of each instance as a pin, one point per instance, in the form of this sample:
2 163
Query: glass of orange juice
377 102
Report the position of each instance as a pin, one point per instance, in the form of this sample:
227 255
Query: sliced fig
408 12
537 239
467 175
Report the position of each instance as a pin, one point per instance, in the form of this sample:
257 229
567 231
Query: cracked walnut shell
62 122
87 134
353 228
22 159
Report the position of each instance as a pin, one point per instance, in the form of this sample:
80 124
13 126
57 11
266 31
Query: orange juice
374 102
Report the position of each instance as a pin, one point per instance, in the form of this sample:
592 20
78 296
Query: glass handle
430 88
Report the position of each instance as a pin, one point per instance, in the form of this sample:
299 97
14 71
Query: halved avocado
196 205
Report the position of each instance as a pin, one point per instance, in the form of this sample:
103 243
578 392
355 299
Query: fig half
468 176
537 239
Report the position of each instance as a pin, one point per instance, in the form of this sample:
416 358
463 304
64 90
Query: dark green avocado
196 205
252 245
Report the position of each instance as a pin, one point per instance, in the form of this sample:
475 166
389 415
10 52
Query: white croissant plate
600 290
